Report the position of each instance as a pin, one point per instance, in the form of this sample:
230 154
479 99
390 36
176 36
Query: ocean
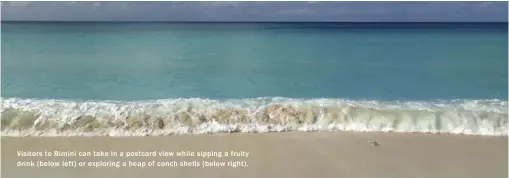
123 79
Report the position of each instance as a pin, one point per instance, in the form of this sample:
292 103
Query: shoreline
27 117
224 133
287 154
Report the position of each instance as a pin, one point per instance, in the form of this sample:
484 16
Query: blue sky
256 11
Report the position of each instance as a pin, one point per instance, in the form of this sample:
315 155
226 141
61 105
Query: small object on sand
374 143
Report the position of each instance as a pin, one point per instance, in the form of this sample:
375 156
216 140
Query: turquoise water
433 65
158 61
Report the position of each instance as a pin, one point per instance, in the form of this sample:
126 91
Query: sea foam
40 117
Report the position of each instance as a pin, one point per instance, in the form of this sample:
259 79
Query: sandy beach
344 154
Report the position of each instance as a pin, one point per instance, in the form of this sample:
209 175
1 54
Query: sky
256 11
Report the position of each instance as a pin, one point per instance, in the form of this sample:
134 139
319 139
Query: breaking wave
38 117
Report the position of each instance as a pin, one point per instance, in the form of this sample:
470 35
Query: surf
49 117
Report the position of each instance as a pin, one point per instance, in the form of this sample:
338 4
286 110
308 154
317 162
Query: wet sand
323 155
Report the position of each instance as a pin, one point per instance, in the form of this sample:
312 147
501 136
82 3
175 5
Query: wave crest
36 117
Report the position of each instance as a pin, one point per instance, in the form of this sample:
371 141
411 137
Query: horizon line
104 21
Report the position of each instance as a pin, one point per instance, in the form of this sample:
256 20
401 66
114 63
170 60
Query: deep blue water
145 61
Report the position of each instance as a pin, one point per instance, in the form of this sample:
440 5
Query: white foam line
473 117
